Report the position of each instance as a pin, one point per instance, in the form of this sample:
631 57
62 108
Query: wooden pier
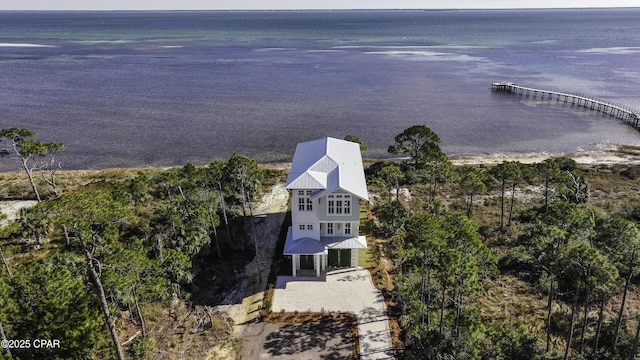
626 114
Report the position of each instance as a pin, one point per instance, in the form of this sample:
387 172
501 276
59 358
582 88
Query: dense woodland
538 269
511 261
110 257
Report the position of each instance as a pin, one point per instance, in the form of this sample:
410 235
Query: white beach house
327 183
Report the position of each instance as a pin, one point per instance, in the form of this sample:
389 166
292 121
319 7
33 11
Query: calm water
164 88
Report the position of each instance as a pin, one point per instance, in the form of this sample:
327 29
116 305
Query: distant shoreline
267 10
597 154
603 154
600 154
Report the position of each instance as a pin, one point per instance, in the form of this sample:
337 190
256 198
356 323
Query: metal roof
355 242
309 246
303 246
326 165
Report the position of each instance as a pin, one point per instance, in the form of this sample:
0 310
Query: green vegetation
511 261
123 264
33 155
358 141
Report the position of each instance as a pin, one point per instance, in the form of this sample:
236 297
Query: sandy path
244 301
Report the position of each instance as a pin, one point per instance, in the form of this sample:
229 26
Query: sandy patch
499 158
275 201
244 301
12 209
599 154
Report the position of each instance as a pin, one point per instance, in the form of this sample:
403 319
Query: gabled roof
327 165
347 242
309 246
302 246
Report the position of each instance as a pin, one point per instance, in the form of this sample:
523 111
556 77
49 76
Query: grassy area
15 184
365 258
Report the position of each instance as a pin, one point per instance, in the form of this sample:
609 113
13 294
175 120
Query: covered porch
312 257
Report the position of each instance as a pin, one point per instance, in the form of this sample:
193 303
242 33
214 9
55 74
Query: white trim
294 264
330 229
354 258
337 205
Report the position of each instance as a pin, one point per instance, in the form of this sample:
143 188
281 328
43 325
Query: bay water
165 88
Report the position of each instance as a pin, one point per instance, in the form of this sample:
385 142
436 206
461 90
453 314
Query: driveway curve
349 290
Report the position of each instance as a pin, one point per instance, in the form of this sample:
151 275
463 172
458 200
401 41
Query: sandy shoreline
601 154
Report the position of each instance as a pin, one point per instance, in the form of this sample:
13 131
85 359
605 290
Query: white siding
304 218
339 228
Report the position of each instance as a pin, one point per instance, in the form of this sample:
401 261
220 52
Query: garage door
339 258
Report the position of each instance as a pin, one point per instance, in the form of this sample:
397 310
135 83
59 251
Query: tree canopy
32 154
358 141
418 142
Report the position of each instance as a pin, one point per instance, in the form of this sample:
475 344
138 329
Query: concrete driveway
314 340
349 290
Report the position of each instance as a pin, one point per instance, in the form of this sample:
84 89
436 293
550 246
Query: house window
339 204
301 227
347 228
304 200
310 227
329 228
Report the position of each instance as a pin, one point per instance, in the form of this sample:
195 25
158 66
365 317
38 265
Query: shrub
142 348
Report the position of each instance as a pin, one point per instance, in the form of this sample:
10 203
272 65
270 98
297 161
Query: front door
306 262
339 258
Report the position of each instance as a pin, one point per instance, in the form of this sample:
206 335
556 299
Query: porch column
354 258
316 264
294 259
